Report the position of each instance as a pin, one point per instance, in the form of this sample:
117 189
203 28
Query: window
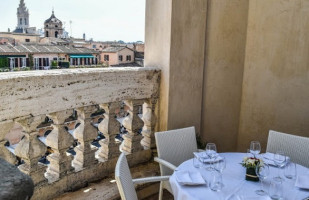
56 34
56 26
106 57
94 46
46 26
46 34
120 58
20 21
27 40
128 57
25 21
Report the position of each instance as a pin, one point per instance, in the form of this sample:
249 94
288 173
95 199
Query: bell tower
22 16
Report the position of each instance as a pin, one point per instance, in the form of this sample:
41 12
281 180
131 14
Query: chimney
84 36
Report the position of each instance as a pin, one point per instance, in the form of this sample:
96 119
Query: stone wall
28 97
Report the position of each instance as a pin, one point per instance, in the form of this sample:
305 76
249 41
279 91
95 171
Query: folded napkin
302 181
189 177
241 197
269 158
203 157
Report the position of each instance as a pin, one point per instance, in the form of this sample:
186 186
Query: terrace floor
106 189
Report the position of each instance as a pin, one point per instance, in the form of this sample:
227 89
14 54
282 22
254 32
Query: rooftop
114 49
38 48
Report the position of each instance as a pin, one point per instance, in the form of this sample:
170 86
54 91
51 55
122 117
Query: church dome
53 19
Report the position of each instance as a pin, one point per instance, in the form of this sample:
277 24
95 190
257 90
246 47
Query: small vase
251 175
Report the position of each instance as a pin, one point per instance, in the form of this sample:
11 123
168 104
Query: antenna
71 28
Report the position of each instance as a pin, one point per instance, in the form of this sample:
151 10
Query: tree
31 64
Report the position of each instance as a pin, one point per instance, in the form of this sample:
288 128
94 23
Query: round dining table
234 184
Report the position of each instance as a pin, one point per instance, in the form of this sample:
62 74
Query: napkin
189 178
241 197
269 158
302 181
203 157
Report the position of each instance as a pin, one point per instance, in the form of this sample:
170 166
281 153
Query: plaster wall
180 56
276 75
157 45
21 37
125 52
223 74
113 58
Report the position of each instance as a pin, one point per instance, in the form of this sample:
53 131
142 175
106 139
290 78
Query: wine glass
211 152
262 171
279 160
255 148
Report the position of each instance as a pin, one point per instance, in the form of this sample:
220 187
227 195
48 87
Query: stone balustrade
27 98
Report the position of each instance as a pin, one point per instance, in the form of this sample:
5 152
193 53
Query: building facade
117 55
53 27
41 56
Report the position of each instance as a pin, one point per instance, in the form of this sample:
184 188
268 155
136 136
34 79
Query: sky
102 20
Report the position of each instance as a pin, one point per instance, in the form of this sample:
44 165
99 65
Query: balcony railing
27 98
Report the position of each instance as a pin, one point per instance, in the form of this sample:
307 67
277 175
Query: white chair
174 147
125 182
296 147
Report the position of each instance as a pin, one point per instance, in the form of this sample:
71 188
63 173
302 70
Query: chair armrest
165 163
150 179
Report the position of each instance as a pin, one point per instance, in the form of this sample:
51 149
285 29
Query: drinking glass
216 181
211 152
255 148
290 171
275 190
196 161
220 165
279 160
262 171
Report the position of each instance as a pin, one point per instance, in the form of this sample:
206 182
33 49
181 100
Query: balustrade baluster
85 133
5 127
110 128
30 149
149 119
60 141
133 124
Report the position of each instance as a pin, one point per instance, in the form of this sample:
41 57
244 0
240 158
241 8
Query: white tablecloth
234 182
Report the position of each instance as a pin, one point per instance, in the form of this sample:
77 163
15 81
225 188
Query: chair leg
161 191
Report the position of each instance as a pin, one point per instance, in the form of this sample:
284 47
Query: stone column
132 140
110 128
60 141
149 119
85 133
5 127
30 149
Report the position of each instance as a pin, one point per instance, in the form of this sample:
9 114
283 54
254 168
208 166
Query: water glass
196 161
255 148
279 160
220 165
290 171
275 190
216 181
211 152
